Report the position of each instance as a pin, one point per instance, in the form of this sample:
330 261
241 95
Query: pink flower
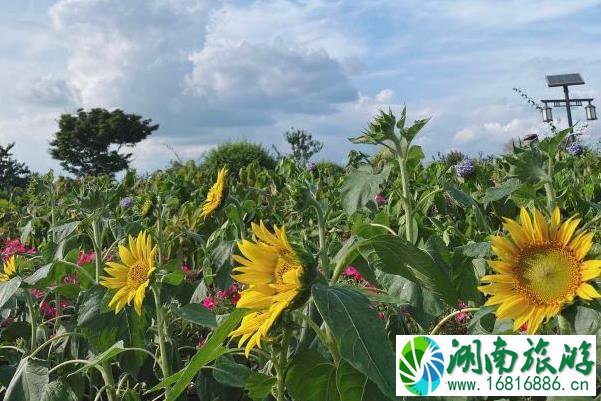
462 317
6 322
12 247
382 316
235 297
85 257
524 328
65 303
352 272
222 294
70 279
379 199
188 272
37 294
47 310
209 303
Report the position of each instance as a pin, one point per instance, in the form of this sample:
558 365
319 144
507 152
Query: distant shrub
330 168
452 158
236 155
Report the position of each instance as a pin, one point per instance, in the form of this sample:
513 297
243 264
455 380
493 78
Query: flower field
290 282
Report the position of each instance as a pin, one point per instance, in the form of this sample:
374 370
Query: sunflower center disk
284 264
138 272
549 275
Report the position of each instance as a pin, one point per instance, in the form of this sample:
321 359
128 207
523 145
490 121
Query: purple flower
126 202
465 168
311 166
574 148
379 199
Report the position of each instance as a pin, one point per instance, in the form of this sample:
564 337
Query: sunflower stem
109 381
97 243
282 361
161 331
34 326
549 189
440 324
405 190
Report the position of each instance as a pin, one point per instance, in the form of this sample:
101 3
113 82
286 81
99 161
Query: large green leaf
355 386
8 289
28 381
227 371
363 341
505 189
311 377
212 349
58 390
394 255
197 314
361 186
259 385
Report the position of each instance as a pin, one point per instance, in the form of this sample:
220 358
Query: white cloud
268 78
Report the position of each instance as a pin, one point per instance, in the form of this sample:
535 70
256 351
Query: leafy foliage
84 141
236 156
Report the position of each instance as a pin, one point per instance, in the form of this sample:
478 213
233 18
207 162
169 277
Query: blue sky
209 71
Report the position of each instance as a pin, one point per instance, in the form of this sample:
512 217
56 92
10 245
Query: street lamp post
565 81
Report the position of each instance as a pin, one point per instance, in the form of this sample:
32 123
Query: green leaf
361 186
354 386
259 385
394 255
363 341
212 349
28 381
310 377
467 201
58 391
63 231
504 190
227 371
8 289
130 395
551 144
476 249
107 355
197 314
173 278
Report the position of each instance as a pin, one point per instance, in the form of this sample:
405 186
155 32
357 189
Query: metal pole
565 91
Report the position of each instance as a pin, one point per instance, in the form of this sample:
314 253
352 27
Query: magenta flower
462 317
37 294
85 257
209 303
379 199
70 279
353 273
47 310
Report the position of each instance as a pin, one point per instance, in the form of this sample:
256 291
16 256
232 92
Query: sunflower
541 267
9 269
131 277
215 195
273 272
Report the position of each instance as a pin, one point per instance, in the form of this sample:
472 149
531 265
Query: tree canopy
90 142
12 173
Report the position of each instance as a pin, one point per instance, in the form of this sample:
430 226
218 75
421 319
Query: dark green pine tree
90 142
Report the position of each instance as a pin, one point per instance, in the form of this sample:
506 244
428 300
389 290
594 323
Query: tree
12 173
89 142
235 156
303 145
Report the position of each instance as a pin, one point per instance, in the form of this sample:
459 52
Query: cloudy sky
208 71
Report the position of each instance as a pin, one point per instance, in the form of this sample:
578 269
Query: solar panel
564 79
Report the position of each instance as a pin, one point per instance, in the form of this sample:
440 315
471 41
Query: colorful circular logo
421 365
